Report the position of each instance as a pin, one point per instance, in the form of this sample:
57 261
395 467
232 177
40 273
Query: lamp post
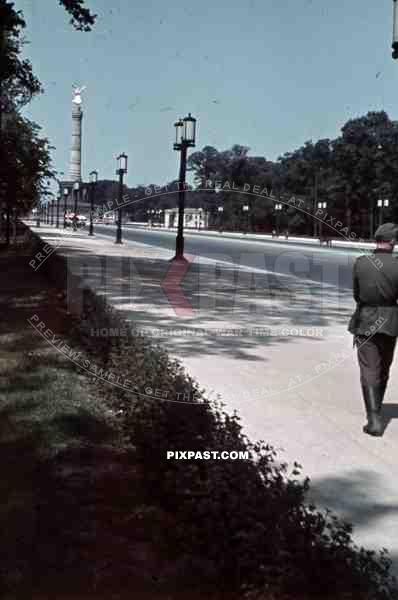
58 197
121 170
93 183
200 218
185 130
245 209
58 201
315 202
278 208
381 204
220 211
76 189
66 194
321 205
159 214
52 211
395 31
85 196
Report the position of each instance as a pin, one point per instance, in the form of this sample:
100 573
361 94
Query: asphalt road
332 266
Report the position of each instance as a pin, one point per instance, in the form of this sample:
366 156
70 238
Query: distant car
104 221
69 219
82 220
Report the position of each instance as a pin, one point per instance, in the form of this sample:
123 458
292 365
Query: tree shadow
219 310
358 498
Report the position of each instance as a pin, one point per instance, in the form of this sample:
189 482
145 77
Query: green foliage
24 156
24 164
234 524
82 19
17 83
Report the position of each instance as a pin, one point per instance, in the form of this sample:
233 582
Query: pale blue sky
262 73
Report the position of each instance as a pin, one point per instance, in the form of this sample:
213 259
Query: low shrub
234 524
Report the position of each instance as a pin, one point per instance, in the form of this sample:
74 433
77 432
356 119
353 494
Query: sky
265 74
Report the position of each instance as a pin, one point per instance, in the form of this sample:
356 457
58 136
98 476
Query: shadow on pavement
204 299
356 499
389 412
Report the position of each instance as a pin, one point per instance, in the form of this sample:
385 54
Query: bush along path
95 507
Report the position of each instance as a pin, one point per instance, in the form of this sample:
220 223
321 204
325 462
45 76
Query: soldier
375 321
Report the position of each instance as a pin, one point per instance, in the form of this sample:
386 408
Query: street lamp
321 205
381 204
93 183
39 209
58 201
185 130
59 196
151 212
121 170
66 194
246 209
76 188
395 31
278 207
200 218
220 210
52 211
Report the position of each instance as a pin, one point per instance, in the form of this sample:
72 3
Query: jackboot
373 397
383 391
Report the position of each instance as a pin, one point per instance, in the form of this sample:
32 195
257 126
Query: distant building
194 218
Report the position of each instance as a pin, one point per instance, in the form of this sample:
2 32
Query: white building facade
194 218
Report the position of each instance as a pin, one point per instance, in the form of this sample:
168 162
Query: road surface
332 266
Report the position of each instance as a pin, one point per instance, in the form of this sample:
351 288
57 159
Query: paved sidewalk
299 390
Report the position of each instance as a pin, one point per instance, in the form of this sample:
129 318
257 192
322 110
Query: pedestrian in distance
374 323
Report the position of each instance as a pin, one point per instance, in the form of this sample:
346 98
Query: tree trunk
8 224
347 213
14 227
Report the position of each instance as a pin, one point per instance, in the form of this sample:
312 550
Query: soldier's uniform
375 322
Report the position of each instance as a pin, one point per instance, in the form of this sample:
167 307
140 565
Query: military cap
386 232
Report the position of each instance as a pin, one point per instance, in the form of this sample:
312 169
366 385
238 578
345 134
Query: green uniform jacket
375 290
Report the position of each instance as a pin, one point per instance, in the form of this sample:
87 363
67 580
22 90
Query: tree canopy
25 162
81 18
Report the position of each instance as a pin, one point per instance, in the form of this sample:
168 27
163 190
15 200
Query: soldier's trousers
375 355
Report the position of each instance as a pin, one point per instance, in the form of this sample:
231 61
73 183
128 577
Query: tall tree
82 19
307 172
365 166
17 82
